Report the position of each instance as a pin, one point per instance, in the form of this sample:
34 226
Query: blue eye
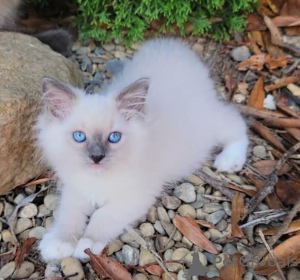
114 137
79 136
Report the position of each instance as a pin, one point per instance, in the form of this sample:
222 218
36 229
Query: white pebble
22 224
28 211
37 232
25 270
70 266
51 201
7 270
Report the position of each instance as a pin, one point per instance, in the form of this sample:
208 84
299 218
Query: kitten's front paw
230 161
84 243
53 248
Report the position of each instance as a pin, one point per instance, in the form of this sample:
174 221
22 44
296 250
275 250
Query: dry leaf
294 226
243 88
108 267
190 229
287 253
265 167
283 82
237 213
254 62
266 133
258 113
255 22
233 270
288 190
239 189
257 94
284 21
25 247
154 269
273 63
275 34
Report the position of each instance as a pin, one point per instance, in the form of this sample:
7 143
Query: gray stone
43 211
127 238
140 276
52 270
51 201
168 254
114 246
162 214
146 257
163 242
23 235
171 230
70 266
200 200
86 64
170 202
293 273
227 208
194 180
180 254
8 209
171 214
109 47
159 228
215 217
240 53
130 255
222 225
185 209
7 270
83 50
30 190
229 249
185 192
173 267
147 229
211 207
37 232
24 61
98 51
214 234
260 152
213 272
28 211
25 270
6 235
19 198
1 207
120 257
152 215
22 224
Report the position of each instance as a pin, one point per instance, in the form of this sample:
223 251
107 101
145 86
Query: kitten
57 39
155 123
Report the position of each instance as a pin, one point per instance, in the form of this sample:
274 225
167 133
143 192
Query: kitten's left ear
132 98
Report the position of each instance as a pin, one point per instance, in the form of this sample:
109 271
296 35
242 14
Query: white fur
183 120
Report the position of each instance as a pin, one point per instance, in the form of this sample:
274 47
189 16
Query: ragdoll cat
155 123
57 39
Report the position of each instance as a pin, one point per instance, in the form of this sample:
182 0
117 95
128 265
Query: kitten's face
92 131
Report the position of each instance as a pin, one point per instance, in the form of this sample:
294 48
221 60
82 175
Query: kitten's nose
97 158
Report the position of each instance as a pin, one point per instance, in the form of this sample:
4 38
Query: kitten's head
90 131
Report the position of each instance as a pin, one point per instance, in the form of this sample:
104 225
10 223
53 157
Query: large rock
23 63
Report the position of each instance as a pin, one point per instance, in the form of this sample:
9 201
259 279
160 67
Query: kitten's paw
230 160
53 248
83 244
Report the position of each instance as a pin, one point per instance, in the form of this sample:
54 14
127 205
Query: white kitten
114 151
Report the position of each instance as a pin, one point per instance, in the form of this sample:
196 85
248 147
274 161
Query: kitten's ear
132 98
58 97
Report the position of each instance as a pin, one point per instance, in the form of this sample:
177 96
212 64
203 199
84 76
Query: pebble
109 47
173 267
99 51
185 192
162 214
1 208
146 257
37 232
168 254
25 270
227 207
7 270
19 198
43 211
201 214
171 214
24 235
240 53
260 152
230 249
120 257
70 266
28 211
293 274
171 230
140 276
30 190
130 255
159 228
214 234
194 180
222 225
152 214
170 202
180 254
51 201
83 51
185 209
114 246
120 54
8 209
163 242
127 238
215 217
6 235
200 201
86 64
1 227
49 221
213 272
220 260
22 224
211 207
147 229
187 242
239 98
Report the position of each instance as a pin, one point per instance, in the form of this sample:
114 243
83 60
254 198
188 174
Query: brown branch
258 113
270 182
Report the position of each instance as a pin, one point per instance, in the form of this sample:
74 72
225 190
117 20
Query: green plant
129 19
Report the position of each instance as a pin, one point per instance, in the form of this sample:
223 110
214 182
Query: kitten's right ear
58 97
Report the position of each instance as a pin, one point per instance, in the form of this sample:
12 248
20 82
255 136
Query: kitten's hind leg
232 135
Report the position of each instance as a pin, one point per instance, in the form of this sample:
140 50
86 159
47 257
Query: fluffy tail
58 40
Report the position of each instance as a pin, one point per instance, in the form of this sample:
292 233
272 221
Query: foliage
128 19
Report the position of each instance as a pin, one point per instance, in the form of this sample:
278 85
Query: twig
263 220
50 278
282 229
217 198
258 113
271 254
216 184
270 182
